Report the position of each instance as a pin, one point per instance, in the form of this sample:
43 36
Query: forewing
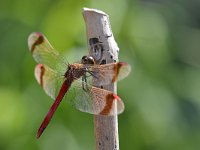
109 73
93 100
50 80
42 51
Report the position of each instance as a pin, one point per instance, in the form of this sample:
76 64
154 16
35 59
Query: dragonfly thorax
75 71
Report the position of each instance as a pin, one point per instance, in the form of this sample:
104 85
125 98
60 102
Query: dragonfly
76 82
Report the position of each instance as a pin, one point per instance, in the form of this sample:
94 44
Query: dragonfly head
87 60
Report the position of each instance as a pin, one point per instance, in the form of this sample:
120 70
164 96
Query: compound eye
84 59
88 60
91 60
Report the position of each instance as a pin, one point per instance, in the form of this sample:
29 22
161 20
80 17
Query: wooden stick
104 49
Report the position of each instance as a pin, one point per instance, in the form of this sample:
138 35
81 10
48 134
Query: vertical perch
104 49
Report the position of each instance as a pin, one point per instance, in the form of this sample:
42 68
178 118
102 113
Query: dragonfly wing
42 51
104 101
94 100
50 80
109 73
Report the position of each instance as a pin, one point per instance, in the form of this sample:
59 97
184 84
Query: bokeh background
159 38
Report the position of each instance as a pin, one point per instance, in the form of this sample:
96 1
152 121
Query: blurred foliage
159 38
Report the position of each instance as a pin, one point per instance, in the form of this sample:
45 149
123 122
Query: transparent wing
50 80
43 52
93 100
82 96
109 73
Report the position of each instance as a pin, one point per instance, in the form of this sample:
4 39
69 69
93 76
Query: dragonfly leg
84 83
92 73
87 89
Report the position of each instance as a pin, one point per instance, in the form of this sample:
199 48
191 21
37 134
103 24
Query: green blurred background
159 38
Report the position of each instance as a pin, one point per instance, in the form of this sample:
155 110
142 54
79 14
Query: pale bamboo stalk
104 49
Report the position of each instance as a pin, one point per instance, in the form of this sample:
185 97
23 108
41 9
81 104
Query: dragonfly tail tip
38 135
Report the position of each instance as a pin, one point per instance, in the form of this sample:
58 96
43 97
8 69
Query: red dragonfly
56 78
